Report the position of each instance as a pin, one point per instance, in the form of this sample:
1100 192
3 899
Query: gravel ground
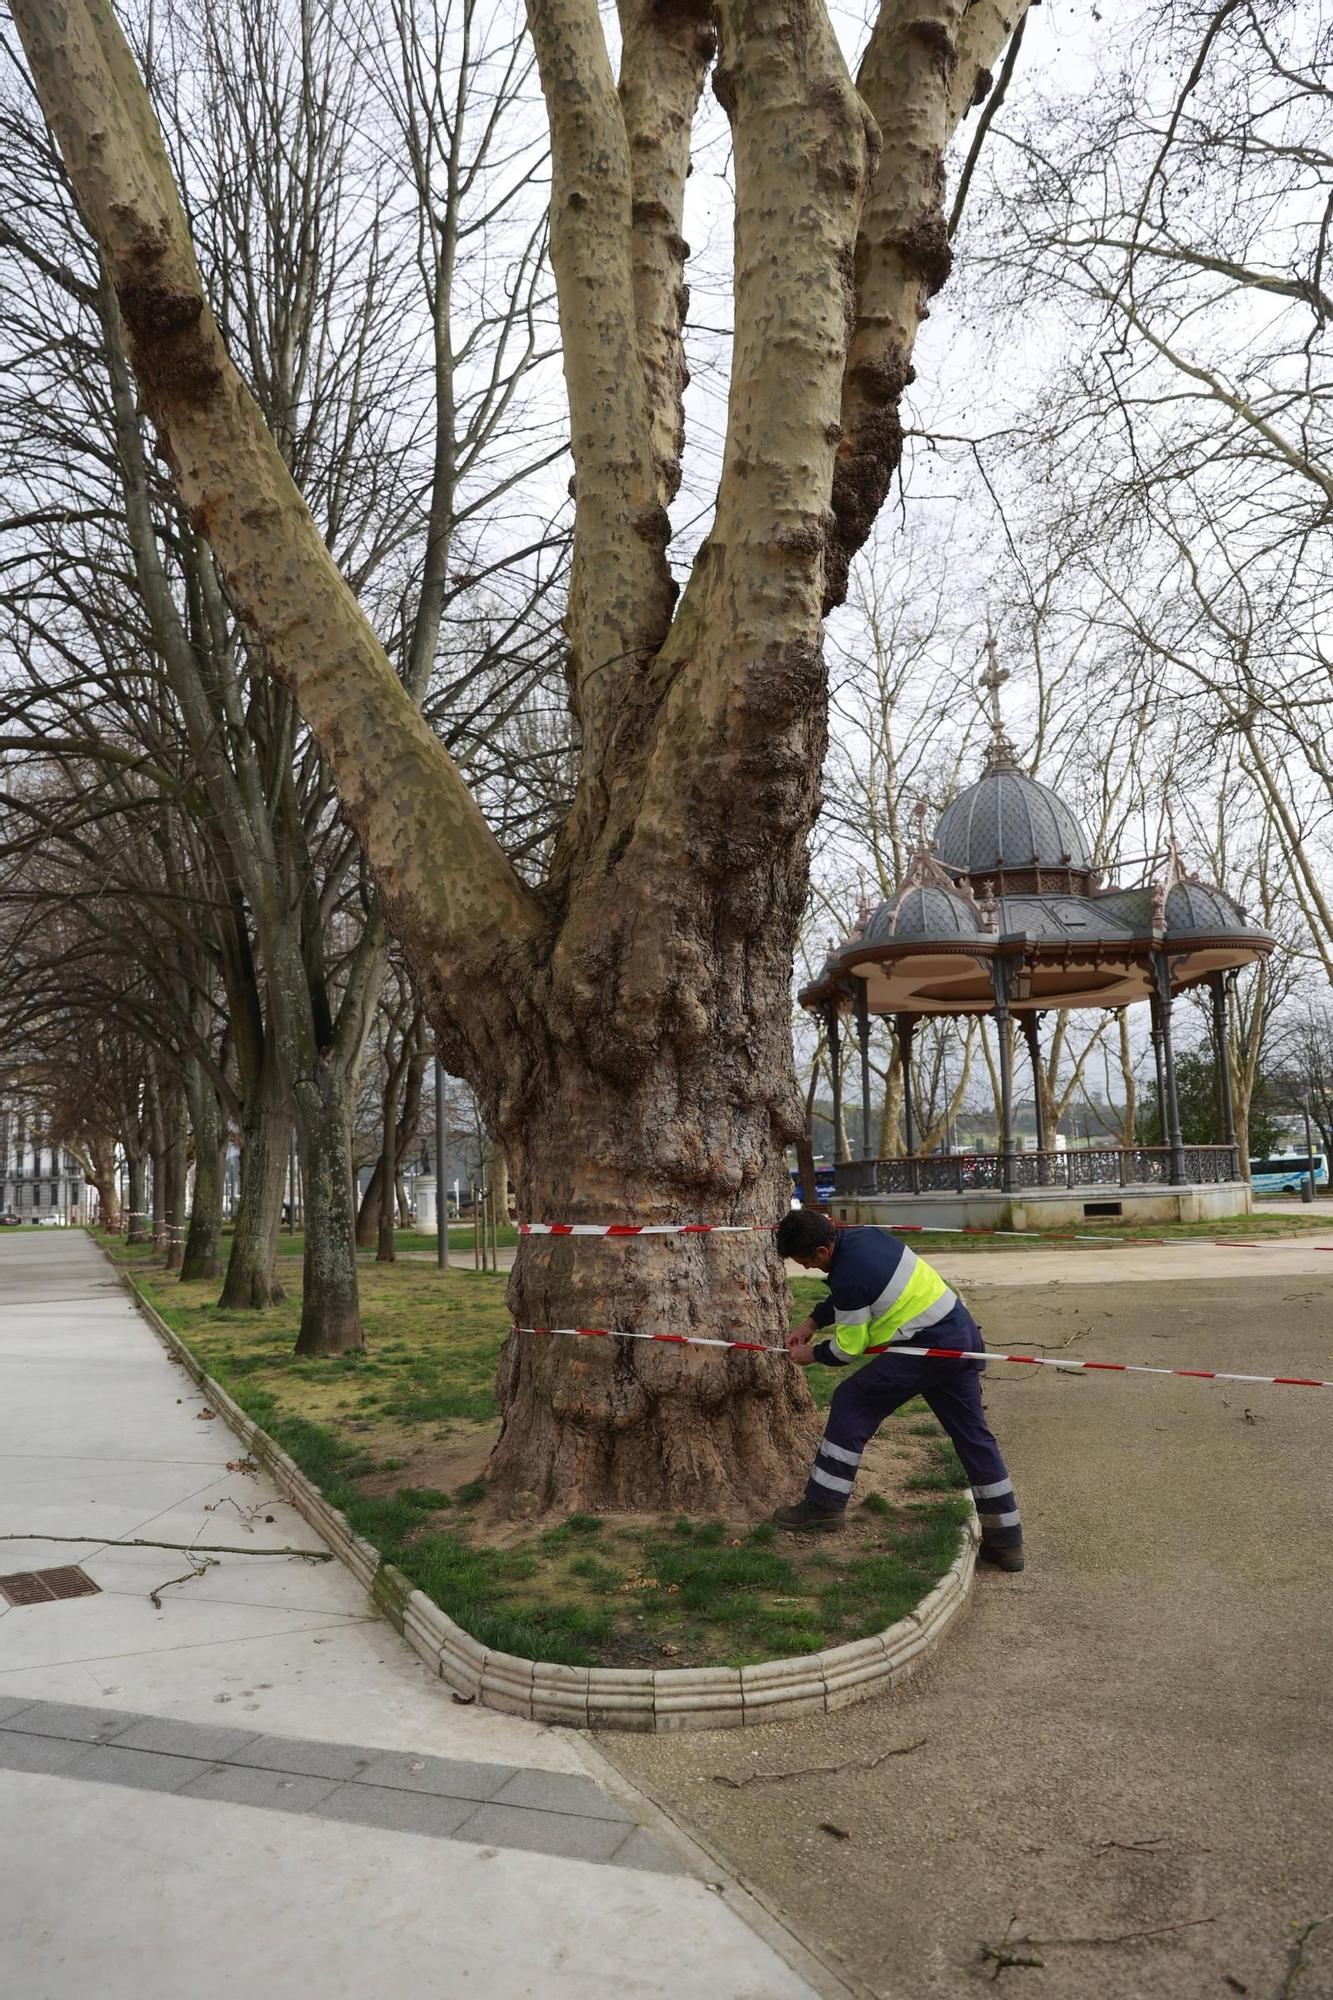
1136 1735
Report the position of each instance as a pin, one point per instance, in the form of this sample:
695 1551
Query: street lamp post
1308 1194
943 1071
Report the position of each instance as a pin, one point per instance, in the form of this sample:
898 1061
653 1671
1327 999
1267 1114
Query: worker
881 1292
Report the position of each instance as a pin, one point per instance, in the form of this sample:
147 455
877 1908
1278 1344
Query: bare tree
626 1022
316 268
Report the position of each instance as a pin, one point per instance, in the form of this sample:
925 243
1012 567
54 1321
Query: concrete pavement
258 1784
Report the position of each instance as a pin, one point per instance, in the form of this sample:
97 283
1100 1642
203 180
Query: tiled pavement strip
497 1805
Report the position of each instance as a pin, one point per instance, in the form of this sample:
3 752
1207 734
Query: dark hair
802 1231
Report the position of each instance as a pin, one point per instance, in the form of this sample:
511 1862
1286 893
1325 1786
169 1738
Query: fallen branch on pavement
818 1770
1297 1962
1016 1951
185 1548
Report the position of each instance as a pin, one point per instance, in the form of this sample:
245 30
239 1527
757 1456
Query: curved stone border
600 1697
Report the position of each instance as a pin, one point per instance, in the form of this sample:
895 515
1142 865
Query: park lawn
397 1437
291 1243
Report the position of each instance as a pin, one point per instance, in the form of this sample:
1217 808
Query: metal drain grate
46 1586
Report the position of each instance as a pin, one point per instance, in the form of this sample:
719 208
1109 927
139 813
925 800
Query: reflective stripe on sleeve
932 1314
897 1284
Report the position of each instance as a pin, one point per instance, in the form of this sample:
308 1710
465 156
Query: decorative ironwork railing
1090 1167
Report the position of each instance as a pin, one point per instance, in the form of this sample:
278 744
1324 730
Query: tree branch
456 900
620 589
665 54
924 65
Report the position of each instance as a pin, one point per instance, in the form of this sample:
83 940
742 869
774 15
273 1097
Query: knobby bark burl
626 1025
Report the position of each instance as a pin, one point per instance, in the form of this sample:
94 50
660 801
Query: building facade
39 1180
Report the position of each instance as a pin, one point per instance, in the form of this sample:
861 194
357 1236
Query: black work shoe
803 1515
1002 1555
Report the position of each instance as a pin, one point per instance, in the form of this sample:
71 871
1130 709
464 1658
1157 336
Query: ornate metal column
833 1028
905 1026
863 1038
1171 1107
1217 981
1032 1036
999 975
1159 1071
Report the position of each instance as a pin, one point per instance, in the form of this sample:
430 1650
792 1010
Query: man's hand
801 1342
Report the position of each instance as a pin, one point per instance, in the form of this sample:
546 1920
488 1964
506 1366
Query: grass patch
943 1473
395 1438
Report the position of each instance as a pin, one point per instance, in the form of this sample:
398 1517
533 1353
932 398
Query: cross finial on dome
993 680
1175 867
921 813
1001 750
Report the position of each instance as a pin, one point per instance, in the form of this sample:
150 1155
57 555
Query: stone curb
599 1697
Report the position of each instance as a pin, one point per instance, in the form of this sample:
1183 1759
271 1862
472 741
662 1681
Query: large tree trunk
251 1282
100 1167
387 1222
368 1213
203 1245
137 1188
625 1424
627 1024
175 1177
157 1199
330 1310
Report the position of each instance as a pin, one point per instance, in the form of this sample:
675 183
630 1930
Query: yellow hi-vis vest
914 1297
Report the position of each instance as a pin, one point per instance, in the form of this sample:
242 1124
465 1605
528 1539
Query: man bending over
881 1292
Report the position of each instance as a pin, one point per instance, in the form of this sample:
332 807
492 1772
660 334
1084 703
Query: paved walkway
152 1761
1124 1754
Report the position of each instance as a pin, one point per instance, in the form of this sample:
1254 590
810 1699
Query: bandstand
1002 914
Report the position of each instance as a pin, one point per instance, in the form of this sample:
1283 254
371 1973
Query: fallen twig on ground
1124 1937
154 1595
818 1770
185 1548
1297 1962
247 1516
1002 1958
1010 1950
1046 1346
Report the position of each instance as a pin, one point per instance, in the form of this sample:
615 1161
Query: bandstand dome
1007 821
922 910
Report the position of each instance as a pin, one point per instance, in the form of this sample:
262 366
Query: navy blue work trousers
951 1391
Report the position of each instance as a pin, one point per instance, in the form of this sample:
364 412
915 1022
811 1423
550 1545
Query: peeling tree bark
626 1027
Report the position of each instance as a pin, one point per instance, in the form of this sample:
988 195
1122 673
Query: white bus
1287 1173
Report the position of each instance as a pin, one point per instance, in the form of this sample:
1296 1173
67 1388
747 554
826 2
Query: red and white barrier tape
1107 1241
645 1228
944 1354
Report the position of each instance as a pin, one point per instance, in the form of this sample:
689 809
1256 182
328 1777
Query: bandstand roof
1009 876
